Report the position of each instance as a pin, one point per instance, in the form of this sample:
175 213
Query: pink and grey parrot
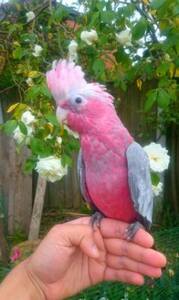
113 169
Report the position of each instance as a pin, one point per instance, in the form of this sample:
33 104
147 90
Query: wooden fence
18 189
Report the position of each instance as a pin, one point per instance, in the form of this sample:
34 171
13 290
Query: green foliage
157 3
151 55
10 126
29 164
139 29
18 237
108 18
98 68
4 271
22 127
52 119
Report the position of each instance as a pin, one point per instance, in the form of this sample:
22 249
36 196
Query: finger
124 276
115 229
125 263
80 221
70 235
145 255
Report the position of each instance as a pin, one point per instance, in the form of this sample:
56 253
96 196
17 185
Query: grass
4 271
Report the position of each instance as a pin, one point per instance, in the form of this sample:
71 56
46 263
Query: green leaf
98 67
176 10
151 99
18 53
45 91
66 160
59 13
22 127
94 19
139 29
163 68
52 119
10 126
29 37
155 178
122 57
127 10
39 147
163 99
157 3
107 16
15 27
38 90
29 165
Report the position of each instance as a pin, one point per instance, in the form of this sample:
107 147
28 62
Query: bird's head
79 103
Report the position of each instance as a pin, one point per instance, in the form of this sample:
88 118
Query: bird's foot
95 220
132 229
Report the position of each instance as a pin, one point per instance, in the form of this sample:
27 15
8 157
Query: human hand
73 256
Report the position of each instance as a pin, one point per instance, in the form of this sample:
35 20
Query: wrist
20 284
34 281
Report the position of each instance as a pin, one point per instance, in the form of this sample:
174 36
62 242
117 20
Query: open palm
73 256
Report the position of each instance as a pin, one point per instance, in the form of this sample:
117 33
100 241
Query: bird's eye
78 100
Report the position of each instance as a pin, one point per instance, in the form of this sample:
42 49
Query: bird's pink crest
64 77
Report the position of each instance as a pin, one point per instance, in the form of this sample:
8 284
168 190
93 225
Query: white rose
124 37
157 189
89 37
59 140
29 135
73 57
158 157
72 51
28 118
51 168
72 47
30 16
29 81
48 137
20 137
37 50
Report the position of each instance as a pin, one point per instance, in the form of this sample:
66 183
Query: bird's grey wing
82 177
140 182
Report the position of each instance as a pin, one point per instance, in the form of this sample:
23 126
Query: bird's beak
61 114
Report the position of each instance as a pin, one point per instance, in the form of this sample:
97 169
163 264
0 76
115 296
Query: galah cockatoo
113 169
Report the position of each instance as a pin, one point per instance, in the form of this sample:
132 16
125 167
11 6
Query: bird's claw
95 220
131 230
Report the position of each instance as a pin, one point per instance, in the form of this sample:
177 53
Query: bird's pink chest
107 178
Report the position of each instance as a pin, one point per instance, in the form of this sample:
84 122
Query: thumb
81 235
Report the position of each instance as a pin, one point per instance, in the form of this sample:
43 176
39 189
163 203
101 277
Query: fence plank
37 209
16 188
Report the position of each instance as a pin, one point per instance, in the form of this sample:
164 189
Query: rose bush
116 42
